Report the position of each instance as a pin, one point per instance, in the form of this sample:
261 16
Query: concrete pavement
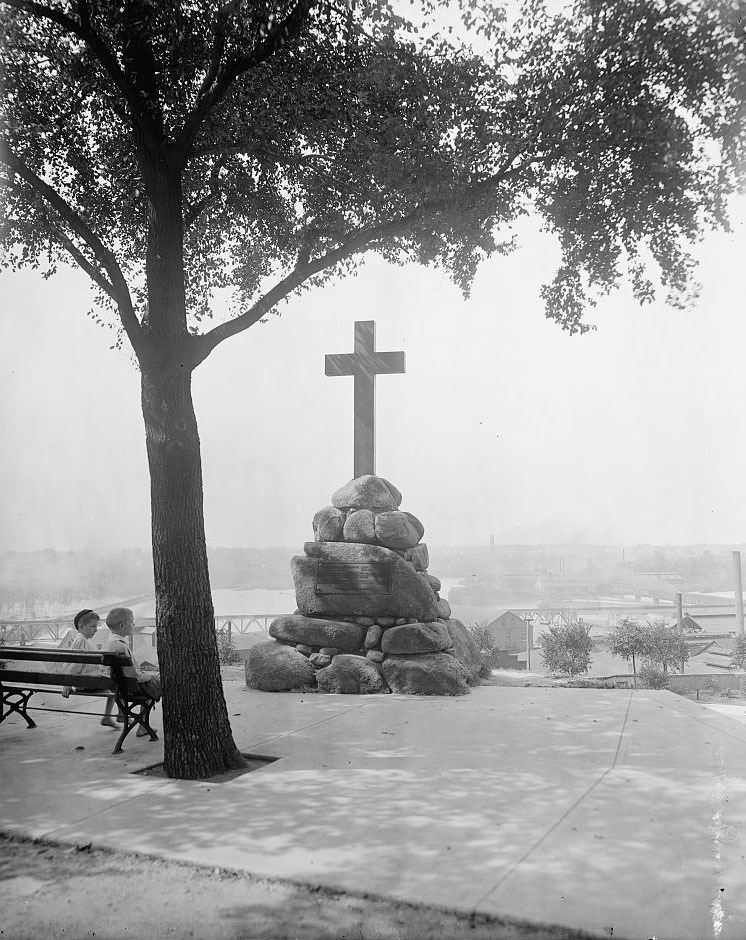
619 812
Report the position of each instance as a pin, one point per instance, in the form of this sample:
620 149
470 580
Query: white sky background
502 425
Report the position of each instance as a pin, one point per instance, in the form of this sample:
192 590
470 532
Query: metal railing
19 632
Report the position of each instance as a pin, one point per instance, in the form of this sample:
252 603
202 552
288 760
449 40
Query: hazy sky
502 425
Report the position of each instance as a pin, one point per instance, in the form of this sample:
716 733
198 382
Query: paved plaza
622 813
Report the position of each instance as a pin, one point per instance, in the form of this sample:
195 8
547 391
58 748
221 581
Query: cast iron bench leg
132 720
19 707
145 711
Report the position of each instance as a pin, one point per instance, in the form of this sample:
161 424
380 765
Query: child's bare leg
107 720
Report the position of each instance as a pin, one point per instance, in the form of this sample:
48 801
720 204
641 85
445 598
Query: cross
365 363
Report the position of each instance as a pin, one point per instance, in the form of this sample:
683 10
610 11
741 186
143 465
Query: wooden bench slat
18 677
56 656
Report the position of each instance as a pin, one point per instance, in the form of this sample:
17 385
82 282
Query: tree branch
277 36
67 243
119 289
306 161
353 243
218 46
93 273
309 238
95 43
193 212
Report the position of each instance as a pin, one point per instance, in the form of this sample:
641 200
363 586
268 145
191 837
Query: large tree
175 148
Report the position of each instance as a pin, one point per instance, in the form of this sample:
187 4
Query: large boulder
342 579
431 674
466 650
435 583
416 638
328 524
397 529
418 556
360 527
351 675
367 492
274 667
313 631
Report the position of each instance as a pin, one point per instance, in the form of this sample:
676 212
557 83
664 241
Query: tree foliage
666 649
487 649
629 641
308 133
227 653
739 651
566 648
653 642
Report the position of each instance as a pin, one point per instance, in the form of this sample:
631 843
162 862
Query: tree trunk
634 670
197 733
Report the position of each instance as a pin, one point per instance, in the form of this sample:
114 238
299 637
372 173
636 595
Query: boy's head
120 620
86 622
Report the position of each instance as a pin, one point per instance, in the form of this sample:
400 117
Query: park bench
25 671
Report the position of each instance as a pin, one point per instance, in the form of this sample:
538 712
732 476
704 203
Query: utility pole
739 592
529 619
680 622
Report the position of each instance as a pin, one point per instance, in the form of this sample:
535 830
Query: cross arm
339 364
387 363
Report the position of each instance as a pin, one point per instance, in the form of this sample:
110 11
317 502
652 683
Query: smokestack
739 592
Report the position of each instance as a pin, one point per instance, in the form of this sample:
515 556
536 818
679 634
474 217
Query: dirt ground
50 891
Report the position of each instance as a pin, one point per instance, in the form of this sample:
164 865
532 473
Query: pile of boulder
370 617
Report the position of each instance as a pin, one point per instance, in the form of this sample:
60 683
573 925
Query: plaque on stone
353 578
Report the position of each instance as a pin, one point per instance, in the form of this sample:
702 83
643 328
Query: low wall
690 682
711 682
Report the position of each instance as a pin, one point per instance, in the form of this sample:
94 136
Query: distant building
711 623
508 632
706 654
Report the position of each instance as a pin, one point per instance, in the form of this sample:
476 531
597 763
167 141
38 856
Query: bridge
52 630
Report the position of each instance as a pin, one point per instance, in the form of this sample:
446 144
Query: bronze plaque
373 577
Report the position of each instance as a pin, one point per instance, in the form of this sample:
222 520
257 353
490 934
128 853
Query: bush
227 654
490 655
739 651
566 649
652 677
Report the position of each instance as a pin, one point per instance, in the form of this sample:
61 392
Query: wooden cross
365 363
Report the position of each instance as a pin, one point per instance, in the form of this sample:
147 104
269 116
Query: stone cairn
370 617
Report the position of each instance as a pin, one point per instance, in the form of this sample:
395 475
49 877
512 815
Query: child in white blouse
86 624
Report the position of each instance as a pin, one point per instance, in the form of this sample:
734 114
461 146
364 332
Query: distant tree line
31 582
512 573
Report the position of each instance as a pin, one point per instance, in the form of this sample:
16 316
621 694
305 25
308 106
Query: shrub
566 649
226 650
652 677
739 651
490 655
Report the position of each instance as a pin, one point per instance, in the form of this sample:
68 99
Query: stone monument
370 617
